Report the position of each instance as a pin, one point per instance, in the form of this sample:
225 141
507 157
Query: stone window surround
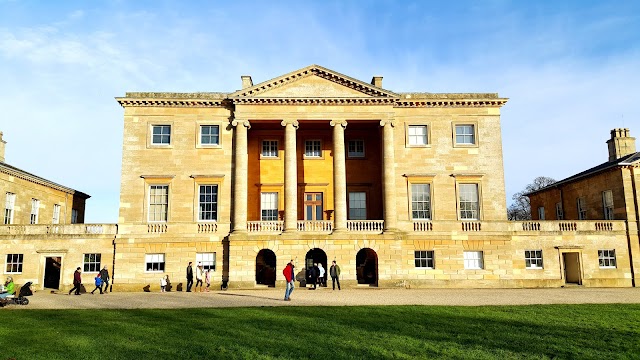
358 189
278 142
156 180
427 258
150 125
18 262
474 123
213 179
469 257
148 259
356 157
87 264
469 179
409 123
304 149
419 179
217 123
609 256
533 256
607 209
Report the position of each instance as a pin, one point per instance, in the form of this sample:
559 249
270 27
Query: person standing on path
289 275
98 282
104 275
313 276
77 281
163 283
334 271
189 277
199 274
207 278
321 275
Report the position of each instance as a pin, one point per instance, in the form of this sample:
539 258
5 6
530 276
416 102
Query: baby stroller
21 299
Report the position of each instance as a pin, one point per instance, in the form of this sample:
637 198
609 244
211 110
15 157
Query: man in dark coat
313 275
189 277
77 282
104 275
334 271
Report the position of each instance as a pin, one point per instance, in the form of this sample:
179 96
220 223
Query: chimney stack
2 142
246 81
377 81
620 144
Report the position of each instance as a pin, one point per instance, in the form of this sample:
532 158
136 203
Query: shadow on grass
409 332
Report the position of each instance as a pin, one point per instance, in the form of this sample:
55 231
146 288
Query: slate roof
14 171
625 160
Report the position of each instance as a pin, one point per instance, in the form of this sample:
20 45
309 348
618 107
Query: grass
372 332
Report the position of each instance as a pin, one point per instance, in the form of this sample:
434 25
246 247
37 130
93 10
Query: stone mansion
400 189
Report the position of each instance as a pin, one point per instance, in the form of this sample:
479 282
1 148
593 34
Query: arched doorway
266 268
315 256
367 267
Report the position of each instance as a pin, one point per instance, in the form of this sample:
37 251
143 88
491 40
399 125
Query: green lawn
372 332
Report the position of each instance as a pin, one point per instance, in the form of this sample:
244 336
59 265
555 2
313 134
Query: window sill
534 268
608 267
262 157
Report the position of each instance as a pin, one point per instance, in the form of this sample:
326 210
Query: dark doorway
572 268
367 267
315 256
266 268
52 273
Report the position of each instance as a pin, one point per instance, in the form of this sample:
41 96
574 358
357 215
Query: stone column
290 176
240 175
388 176
339 176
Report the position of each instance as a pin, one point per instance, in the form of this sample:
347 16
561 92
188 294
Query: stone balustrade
325 226
59 229
265 226
600 226
372 226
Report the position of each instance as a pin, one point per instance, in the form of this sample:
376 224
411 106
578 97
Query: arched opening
266 268
367 267
315 256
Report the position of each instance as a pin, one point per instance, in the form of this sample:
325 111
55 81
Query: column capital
293 122
391 122
341 122
244 122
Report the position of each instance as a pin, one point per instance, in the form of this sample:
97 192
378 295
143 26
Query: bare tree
520 208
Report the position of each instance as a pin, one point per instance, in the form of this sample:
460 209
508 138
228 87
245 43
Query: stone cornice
193 103
20 174
314 101
424 103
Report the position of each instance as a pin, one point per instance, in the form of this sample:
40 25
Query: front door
313 206
52 272
572 268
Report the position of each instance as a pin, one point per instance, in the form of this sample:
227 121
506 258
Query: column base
339 231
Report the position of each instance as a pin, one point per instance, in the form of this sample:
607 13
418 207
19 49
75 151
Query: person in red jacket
289 275
77 282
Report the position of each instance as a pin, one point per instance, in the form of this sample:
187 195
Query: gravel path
327 297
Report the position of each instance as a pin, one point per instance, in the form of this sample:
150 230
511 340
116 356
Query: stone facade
400 189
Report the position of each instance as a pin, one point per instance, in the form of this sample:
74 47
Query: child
207 278
98 283
163 283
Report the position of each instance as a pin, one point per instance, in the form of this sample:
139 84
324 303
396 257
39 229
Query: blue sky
570 68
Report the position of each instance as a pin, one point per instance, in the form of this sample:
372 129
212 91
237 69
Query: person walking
199 274
77 281
163 283
321 275
289 276
189 277
207 279
334 271
98 283
313 276
104 275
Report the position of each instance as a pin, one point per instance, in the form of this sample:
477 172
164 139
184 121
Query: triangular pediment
314 82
